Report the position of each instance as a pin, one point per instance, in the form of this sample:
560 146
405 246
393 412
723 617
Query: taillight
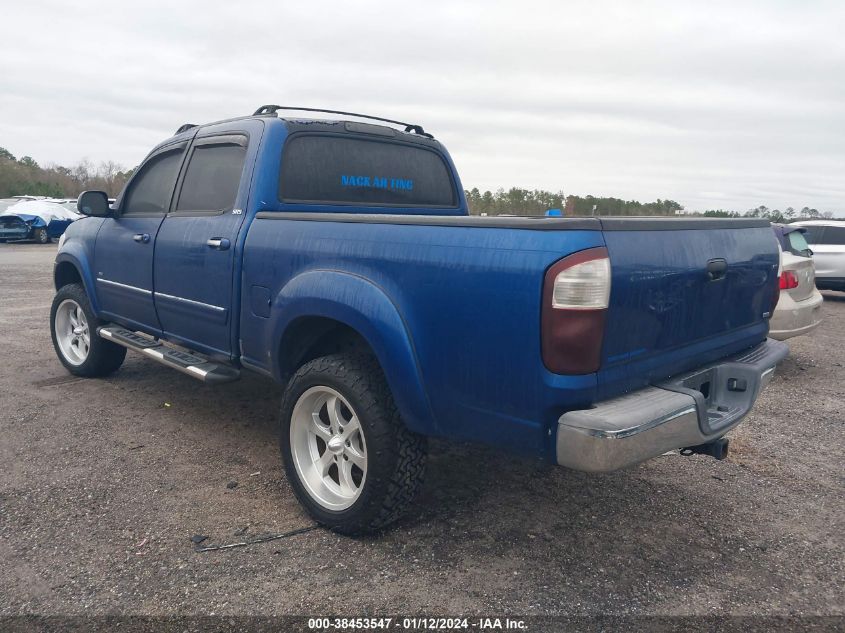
788 280
576 292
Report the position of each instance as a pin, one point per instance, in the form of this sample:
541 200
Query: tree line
24 176
773 215
516 201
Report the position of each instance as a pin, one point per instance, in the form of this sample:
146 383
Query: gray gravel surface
103 484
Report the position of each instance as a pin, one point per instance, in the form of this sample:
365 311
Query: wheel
73 326
351 461
40 236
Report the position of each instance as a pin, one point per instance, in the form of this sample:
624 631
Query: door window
834 235
212 179
151 190
814 234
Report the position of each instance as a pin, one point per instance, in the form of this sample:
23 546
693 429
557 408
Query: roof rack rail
185 127
409 127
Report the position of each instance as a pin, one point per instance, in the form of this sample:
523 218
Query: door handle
716 269
142 238
220 243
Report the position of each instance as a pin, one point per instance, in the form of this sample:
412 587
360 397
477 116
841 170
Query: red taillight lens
576 292
788 280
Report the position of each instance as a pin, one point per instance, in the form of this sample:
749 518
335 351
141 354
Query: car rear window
349 170
797 243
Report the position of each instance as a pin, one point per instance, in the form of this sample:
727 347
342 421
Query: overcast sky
715 105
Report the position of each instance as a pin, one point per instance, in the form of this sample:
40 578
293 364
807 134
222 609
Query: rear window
344 170
797 243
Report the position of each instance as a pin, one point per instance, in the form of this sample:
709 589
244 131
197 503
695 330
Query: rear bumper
687 410
793 318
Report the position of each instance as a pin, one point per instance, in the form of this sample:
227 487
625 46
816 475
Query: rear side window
344 170
212 178
833 235
151 189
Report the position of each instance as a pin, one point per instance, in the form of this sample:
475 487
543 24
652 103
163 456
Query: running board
189 363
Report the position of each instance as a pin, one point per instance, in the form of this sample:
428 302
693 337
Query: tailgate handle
716 269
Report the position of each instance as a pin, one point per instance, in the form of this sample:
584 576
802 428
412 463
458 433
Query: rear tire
351 461
73 327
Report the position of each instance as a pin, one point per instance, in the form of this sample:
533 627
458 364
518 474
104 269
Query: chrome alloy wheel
328 448
72 333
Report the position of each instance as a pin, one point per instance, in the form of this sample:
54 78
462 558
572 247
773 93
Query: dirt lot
104 482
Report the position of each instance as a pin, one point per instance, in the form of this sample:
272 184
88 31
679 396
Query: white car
799 308
827 239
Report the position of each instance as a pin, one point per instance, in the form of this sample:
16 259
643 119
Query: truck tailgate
683 291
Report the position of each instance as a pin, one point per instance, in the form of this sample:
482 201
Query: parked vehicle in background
798 310
826 238
338 258
13 229
32 218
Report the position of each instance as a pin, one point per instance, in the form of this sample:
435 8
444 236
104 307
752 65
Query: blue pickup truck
338 258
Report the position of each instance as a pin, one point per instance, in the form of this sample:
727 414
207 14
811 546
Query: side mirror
94 203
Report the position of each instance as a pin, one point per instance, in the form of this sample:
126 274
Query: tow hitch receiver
716 448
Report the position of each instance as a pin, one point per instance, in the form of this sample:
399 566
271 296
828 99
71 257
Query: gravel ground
104 482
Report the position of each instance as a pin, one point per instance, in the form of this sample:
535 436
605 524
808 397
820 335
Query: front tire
40 236
352 463
73 326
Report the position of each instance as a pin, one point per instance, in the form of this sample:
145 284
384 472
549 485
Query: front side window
212 178
151 190
349 170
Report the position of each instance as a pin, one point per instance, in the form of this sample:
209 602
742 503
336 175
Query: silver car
798 310
827 241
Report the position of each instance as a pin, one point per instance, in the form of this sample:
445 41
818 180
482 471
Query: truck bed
468 292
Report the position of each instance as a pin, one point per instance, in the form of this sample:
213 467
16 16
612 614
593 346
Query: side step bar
189 363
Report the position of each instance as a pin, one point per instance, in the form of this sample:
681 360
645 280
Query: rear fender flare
367 309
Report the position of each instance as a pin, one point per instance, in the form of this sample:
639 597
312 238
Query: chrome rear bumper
687 410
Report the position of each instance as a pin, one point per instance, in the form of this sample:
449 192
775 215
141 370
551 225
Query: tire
72 319
40 236
394 458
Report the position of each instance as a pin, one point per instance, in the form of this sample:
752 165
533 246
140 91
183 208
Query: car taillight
576 292
788 280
